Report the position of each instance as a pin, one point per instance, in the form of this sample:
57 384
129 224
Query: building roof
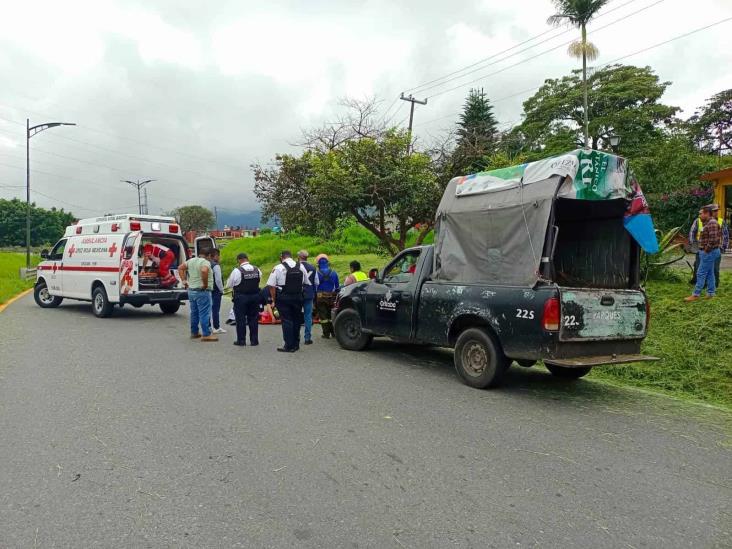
713 176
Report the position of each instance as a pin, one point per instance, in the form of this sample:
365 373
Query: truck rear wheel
349 332
479 359
100 303
170 308
568 373
43 298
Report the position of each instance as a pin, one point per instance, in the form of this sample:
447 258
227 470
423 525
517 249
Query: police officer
245 282
286 284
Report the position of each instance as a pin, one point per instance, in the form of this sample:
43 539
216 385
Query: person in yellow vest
697 226
357 275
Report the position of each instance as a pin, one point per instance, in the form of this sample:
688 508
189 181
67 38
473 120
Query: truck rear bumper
582 361
153 298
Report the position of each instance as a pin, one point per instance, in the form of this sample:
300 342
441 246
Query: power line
493 56
538 54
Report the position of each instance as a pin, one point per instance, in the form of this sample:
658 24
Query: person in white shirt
244 280
286 284
217 292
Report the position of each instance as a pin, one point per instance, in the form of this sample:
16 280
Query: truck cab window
57 254
403 269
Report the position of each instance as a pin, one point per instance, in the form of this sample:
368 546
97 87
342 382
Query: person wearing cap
709 251
286 283
244 280
724 228
308 296
327 290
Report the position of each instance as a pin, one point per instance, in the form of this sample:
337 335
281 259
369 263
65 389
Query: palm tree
578 13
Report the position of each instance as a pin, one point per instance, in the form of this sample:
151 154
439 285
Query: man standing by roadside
245 282
195 274
709 243
694 236
724 240
326 294
357 275
308 295
217 292
286 284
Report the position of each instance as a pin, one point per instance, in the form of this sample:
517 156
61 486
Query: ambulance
117 260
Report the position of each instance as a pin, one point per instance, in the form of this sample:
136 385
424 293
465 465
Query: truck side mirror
44 253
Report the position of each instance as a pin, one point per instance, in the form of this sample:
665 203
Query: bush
679 208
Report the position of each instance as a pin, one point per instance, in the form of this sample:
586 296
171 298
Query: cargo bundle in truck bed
534 262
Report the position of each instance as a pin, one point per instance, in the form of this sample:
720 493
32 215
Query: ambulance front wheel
170 308
100 303
43 298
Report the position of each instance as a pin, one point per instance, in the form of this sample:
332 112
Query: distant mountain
250 220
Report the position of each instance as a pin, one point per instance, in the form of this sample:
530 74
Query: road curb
16 298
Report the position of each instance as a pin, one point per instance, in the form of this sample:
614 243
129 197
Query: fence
28 274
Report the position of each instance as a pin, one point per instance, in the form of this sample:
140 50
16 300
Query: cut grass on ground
10 282
693 340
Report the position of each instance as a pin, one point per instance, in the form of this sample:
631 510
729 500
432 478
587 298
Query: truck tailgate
589 314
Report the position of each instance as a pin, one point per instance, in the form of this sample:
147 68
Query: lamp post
30 131
138 185
614 142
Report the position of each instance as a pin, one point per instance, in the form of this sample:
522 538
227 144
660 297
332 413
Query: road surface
124 433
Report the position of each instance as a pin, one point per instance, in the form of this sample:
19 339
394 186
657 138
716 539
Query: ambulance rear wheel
170 308
45 299
100 303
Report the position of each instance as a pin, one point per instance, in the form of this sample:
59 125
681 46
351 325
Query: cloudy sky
190 93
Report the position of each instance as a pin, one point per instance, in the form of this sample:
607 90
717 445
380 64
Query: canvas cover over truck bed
491 227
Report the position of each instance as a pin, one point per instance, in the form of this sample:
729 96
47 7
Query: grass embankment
693 340
10 282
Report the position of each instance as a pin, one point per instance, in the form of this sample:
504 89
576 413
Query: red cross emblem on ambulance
112 249
72 250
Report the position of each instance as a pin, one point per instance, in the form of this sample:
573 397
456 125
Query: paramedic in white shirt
244 280
286 284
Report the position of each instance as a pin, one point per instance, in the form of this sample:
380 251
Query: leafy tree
194 218
578 13
477 133
626 102
712 124
47 226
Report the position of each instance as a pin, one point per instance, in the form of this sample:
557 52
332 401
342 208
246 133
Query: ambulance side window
57 254
129 246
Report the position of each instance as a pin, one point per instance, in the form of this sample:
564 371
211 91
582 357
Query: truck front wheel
479 360
43 298
349 332
568 373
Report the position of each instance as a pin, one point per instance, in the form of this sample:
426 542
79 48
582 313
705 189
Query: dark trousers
216 309
290 308
324 306
246 311
717 265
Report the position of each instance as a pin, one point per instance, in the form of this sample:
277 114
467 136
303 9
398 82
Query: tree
194 218
47 226
578 13
712 124
477 133
626 102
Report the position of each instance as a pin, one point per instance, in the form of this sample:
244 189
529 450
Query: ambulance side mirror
44 253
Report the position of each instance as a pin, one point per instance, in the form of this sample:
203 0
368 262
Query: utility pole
145 209
30 131
139 185
412 100
216 217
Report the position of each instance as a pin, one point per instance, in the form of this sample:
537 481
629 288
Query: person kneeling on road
244 280
286 284
196 274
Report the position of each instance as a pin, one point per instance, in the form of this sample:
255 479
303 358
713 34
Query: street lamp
30 132
614 142
139 185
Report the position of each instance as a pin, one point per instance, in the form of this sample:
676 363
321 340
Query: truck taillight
551 318
135 226
173 228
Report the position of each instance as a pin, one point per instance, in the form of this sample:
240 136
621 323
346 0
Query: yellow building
722 181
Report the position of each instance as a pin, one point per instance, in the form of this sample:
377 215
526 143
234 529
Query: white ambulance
117 260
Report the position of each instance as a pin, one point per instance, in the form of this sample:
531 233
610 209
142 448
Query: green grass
693 340
10 282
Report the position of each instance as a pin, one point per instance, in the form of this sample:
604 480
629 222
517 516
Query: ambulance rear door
204 244
129 265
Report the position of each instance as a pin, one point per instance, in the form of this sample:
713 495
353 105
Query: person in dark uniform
286 284
245 282
308 294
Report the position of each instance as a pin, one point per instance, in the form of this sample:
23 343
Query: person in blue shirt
326 292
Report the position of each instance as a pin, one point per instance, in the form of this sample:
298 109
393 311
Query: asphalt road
124 433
